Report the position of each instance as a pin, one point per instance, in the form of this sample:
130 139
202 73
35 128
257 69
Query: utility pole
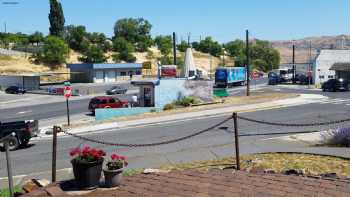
247 63
293 62
174 47
188 38
310 64
5 28
210 70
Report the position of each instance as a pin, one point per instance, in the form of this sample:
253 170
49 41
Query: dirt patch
278 162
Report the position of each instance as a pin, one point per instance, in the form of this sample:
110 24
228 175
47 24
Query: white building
326 65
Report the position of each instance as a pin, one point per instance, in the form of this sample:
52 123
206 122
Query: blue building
103 73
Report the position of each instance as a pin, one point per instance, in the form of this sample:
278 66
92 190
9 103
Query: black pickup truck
18 133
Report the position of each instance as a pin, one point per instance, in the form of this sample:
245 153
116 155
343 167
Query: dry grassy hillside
22 65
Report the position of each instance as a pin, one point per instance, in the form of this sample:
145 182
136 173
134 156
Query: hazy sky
223 19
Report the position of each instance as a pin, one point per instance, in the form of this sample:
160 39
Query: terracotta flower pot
113 178
87 174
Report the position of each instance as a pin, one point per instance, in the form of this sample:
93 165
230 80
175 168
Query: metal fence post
234 116
9 168
54 153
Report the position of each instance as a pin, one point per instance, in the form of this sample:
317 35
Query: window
122 73
104 101
138 72
330 76
111 100
321 76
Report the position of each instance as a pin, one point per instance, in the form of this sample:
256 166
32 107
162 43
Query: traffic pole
68 118
9 168
247 63
234 116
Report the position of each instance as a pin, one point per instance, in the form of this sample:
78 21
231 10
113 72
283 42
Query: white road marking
24 112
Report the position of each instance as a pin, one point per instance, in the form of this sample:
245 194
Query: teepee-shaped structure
190 67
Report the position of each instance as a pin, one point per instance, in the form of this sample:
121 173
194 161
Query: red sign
67 91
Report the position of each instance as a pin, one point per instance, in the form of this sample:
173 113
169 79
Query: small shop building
331 64
159 92
103 73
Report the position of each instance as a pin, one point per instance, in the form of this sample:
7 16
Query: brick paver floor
226 183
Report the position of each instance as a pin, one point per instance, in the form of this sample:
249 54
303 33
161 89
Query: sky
224 20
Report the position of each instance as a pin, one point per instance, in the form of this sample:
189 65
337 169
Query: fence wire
148 144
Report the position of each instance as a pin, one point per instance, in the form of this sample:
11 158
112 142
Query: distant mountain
302 54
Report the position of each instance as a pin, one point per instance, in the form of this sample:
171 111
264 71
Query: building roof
145 82
345 66
105 66
334 55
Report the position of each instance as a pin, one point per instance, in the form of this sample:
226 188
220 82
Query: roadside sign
67 91
147 65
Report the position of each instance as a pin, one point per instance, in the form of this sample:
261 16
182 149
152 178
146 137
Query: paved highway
216 143
58 109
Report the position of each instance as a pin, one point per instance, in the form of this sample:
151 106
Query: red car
106 102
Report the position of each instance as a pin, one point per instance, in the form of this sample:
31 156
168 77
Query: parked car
15 90
116 90
303 79
18 133
334 85
273 78
106 102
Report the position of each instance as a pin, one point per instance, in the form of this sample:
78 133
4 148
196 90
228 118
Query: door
147 95
110 76
99 76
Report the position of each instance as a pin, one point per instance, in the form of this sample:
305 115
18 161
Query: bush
338 137
169 106
186 101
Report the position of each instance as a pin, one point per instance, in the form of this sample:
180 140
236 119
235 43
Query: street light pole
293 62
247 63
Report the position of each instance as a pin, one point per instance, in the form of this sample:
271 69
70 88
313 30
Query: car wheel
25 143
13 143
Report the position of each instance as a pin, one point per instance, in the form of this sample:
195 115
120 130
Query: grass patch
6 193
132 172
311 164
5 58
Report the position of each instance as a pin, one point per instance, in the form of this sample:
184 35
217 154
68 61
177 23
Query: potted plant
114 170
87 166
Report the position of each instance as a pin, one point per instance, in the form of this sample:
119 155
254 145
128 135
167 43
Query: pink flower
122 158
75 151
115 157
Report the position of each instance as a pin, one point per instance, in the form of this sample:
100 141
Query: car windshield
95 101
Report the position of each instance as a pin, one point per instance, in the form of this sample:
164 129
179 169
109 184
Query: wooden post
54 153
234 116
9 168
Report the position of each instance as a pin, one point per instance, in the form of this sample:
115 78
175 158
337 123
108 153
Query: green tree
208 45
36 37
164 44
55 51
75 36
94 54
195 45
183 46
124 49
135 31
56 19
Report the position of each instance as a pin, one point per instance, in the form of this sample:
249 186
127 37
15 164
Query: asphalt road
58 109
48 111
37 158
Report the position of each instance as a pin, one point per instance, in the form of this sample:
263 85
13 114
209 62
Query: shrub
187 101
340 137
169 106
